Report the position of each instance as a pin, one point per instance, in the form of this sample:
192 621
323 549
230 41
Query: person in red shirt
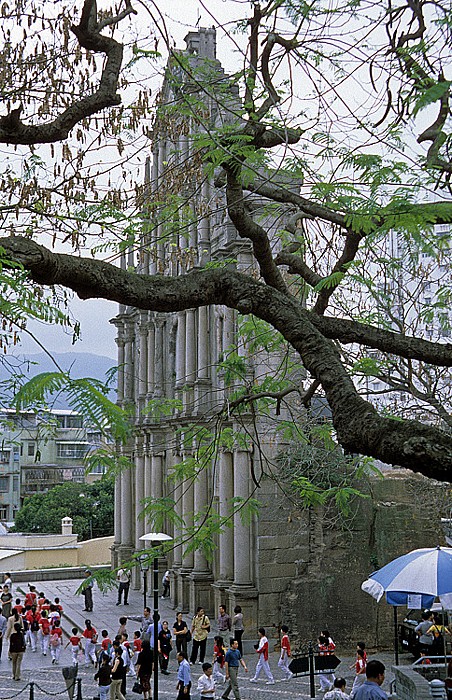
326 647
284 659
44 632
262 664
19 607
360 670
41 600
56 634
90 635
219 654
76 645
33 618
31 597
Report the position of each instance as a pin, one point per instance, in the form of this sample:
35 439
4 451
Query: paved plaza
48 678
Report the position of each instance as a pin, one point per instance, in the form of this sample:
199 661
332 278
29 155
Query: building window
4 484
31 449
3 512
15 483
4 457
72 450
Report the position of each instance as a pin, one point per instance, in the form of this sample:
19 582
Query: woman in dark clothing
144 667
180 630
16 650
103 675
165 647
117 673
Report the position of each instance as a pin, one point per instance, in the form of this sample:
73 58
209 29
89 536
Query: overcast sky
97 334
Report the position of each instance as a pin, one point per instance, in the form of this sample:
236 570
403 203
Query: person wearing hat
87 591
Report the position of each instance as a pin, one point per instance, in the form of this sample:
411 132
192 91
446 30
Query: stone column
139 522
147 483
142 367
226 494
117 523
129 363
157 476
158 377
127 527
183 583
121 358
190 358
180 350
242 592
201 578
151 360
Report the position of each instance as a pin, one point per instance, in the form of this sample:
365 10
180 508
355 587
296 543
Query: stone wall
311 569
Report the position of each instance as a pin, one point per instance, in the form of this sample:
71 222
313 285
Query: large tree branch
13 130
358 425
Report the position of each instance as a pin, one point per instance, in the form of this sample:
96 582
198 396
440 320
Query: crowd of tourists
33 622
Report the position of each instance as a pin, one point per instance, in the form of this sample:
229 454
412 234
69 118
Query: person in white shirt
338 691
206 683
123 576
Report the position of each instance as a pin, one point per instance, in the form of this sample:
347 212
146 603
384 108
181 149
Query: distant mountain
80 364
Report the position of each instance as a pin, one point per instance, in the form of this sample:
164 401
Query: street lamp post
144 567
155 538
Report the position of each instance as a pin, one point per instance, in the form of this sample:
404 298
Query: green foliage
90 506
86 396
432 94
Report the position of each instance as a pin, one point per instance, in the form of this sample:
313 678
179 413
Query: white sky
97 334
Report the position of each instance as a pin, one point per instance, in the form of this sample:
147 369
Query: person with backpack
44 632
438 633
56 635
200 627
33 619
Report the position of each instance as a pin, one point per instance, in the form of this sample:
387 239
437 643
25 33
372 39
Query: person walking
371 688
360 671
90 635
117 673
200 628
44 633
326 646
87 592
166 580
123 576
3 627
144 668
17 650
425 639
206 682
180 631
165 647
183 677
232 662
103 677
219 654
284 659
238 626
56 635
75 642
262 664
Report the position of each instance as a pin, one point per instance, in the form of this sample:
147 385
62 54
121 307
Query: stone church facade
282 565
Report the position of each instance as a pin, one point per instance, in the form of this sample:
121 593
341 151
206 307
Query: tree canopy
89 505
347 102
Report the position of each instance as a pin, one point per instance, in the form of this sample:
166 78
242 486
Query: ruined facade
285 565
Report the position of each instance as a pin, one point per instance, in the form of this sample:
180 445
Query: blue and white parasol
423 572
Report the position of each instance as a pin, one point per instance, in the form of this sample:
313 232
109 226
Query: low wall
57 574
92 552
410 685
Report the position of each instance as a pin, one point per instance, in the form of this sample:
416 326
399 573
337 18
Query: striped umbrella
414 579
423 572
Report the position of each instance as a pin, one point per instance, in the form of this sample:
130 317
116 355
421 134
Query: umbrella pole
396 638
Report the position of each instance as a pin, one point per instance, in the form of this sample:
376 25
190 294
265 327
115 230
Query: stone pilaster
226 539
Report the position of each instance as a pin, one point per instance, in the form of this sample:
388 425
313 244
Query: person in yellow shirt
200 628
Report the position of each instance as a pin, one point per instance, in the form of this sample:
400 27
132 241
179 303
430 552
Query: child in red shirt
284 659
56 634
76 645
44 632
